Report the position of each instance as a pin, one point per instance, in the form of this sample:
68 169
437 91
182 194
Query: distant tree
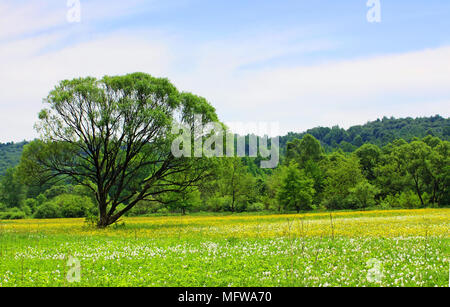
184 201
346 146
273 183
235 182
342 174
446 131
369 157
420 166
306 149
12 190
390 175
438 165
358 141
363 194
296 190
113 136
10 155
413 158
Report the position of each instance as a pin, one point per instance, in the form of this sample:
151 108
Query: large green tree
296 190
304 150
113 136
236 182
343 173
369 157
12 190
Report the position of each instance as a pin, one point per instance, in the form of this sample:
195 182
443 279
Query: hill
10 155
379 132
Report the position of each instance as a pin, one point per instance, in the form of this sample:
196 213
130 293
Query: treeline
401 174
379 132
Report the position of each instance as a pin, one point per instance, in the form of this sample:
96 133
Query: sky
299 63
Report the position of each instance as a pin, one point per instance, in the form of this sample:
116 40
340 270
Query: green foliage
380 132
304 150
12 190
66 206
56 191
143 208
48 210
234 186
113 135
183 201
12 214
256 207
73 206
404 200
363 194
297 190
31 203
328 168
416 167
343 173
10 155
369 157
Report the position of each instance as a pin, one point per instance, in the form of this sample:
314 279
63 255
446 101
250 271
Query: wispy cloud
238 73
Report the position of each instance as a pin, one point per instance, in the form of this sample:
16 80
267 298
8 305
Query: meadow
367 248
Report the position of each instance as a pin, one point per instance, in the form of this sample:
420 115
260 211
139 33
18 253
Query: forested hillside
10 155
379 132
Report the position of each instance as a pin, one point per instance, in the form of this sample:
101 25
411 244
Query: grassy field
375 248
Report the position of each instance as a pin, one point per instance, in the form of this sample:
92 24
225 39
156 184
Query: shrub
56 190
31 203
73 206
12 214
405 200
26 209
144 208
163 211
41 199
256 207
363 195
409 200
48 210
217 204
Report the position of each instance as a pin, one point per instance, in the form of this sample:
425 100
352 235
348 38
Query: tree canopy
113 136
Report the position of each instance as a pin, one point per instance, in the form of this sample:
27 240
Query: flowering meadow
372 248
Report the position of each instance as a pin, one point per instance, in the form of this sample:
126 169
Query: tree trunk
104 220
418 191
435 189
232 202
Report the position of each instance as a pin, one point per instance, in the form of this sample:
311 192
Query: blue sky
299 63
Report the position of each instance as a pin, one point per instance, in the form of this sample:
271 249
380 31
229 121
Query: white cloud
27 77
224 71
344 92
29 17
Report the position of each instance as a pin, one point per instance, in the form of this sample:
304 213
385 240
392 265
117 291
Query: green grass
125 257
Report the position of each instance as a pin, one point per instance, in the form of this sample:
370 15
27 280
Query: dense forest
10 155
379 132
388 163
